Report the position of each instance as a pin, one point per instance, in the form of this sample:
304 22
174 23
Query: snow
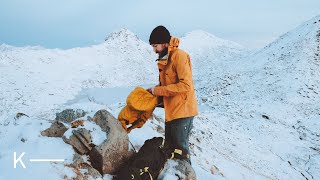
25 137
170 171
259 110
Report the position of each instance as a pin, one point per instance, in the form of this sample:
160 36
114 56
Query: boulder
106 154
57 129
69 115
114 151
80 140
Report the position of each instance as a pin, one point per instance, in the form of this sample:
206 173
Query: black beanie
159 35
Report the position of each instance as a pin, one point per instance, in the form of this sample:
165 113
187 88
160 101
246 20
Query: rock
91 171
177 168
57 129
19 114
265 116
83 169
69 115
216 171
77 160
76 123
89 118
106 157
80 140
114 151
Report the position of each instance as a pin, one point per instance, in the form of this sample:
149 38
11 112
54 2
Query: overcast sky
78 23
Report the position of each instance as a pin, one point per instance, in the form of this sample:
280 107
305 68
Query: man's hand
129 129
151 90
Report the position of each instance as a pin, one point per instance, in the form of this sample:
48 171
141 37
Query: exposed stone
76 123
18 115
69 115
216 171
89 118
80 140
57 129
91 171
114 151
105 158
79 164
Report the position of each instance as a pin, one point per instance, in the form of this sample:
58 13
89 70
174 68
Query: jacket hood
174 44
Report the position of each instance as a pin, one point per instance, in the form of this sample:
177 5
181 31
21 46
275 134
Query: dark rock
69 115
265 116
18 115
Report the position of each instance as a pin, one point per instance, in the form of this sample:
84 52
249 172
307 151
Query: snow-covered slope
32 74
266 107
207 50
38 81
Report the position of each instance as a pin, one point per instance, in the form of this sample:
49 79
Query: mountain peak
305 33
5 47
205 39
123 33
199 33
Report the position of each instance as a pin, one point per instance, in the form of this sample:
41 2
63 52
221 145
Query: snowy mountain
258 116
28 71
206 50
203 41
266 107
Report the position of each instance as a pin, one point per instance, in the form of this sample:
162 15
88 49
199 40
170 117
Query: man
175 90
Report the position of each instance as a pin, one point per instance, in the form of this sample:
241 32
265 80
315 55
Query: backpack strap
178 153
146 170
142 171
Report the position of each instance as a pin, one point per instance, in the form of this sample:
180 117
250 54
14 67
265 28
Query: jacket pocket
171 77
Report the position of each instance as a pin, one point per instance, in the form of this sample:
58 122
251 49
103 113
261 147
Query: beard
162 53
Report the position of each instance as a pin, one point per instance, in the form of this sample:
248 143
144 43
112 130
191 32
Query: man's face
158 48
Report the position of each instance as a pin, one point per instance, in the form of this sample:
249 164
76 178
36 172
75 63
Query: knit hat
159 35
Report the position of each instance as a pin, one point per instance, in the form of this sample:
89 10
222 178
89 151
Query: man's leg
168 135
178 132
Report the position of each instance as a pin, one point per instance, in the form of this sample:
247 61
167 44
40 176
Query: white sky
74 23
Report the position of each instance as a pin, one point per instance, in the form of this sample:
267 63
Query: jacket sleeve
183 70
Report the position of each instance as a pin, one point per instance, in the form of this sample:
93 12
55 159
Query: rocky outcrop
57 129
109 156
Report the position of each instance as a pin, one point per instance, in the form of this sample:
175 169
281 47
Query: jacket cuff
156 91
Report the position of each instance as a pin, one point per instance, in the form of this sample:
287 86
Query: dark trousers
177 134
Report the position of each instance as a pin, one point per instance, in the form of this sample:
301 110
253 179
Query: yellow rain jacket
139 108
176 84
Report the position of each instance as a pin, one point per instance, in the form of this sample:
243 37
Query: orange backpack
139 108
